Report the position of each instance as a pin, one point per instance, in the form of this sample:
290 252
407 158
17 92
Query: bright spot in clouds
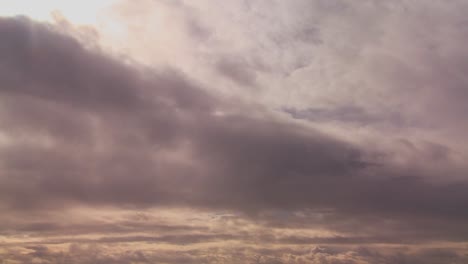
77 12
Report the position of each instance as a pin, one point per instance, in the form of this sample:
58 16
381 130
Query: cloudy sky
243 131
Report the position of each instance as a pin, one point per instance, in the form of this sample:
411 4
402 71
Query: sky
271 132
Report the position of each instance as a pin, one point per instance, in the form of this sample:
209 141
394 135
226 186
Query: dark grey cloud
237 70
83 128
120 139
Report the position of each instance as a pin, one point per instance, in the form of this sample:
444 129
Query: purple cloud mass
81 128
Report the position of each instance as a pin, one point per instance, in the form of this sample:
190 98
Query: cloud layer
367 153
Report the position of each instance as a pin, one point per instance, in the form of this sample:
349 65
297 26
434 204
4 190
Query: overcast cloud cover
303 131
